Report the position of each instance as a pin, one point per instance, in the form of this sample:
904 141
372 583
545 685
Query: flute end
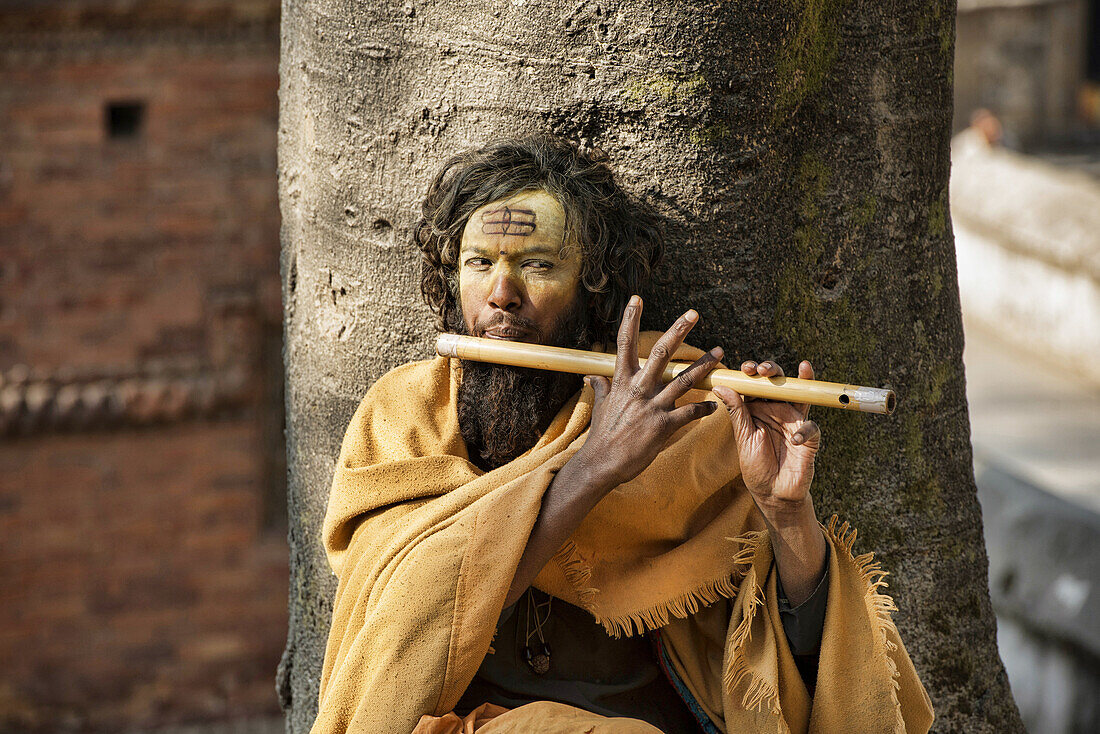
870 400
446 345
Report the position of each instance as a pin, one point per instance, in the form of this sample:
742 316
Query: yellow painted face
516 276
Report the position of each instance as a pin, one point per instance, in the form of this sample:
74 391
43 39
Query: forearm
575 490
799 547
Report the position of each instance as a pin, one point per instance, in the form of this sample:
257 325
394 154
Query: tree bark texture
798 152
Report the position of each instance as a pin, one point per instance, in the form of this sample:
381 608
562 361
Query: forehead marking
508 221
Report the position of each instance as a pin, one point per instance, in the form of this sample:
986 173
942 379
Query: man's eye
539 264
478 262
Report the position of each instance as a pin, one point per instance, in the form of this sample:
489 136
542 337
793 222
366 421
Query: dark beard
503 410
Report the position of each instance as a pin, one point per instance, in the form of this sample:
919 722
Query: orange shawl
425 546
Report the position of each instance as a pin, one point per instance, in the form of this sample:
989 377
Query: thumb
600 386
739 413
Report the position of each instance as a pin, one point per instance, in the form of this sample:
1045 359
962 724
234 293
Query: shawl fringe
879 607
680 606
759 693
578 571
686 604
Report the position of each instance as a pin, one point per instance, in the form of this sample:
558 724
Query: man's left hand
776 444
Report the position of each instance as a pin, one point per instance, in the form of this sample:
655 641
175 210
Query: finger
769 369
739 413
626 356
808 434
685 414
686 380
805 372
600 385
748 367
666 346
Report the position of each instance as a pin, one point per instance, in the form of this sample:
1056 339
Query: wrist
586 471
800 550
784 514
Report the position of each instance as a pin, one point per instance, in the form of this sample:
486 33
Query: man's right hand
635 412
633 417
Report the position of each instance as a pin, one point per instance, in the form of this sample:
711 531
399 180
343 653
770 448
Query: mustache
508 321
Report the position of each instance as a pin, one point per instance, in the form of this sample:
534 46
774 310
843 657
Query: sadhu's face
516 277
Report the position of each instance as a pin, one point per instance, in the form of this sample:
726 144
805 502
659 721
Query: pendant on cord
537 655
538 659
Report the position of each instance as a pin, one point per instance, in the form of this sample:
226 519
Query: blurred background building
143 555
143 558
1025 204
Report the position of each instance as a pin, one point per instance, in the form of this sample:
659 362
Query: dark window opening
124 119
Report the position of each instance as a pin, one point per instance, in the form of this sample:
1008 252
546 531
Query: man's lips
505 333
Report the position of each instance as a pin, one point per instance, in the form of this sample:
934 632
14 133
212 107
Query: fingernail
718 352
587 382
692 315
635 300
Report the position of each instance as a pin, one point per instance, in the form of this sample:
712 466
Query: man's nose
505 294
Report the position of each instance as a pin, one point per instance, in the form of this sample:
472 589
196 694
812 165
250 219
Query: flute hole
843 399
891 401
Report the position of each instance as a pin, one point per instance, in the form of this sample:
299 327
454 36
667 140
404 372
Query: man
644 561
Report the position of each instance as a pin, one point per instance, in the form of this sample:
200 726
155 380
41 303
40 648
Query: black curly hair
620 238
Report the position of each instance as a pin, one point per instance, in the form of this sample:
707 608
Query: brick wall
143 561
116 250
139 587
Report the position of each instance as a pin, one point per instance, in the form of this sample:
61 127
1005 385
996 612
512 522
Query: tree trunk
798 151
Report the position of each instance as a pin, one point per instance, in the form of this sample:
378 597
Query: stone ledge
36 401
1028 206
1027 245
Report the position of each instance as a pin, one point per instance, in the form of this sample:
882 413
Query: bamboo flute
581 362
